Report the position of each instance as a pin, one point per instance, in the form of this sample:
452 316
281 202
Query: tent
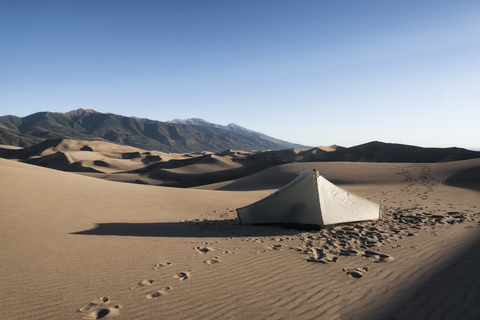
309 199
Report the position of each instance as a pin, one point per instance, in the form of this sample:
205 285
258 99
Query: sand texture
78 247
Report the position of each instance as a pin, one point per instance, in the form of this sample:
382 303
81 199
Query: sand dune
75 247
128 164
462 173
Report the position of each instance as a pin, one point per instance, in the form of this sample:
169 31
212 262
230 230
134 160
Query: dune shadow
451 292
8 153
468 178
187 229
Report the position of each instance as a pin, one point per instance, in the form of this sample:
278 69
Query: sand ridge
128 164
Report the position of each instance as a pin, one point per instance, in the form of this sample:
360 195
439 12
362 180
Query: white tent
309 199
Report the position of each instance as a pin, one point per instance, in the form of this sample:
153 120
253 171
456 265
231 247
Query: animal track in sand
158 293
161 265
142 284
100 308
182 275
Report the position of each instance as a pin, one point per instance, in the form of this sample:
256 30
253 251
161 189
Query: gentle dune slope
464 173
74 247
43 259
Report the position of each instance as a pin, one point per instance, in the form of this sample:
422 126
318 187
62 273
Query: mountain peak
79 112
194 121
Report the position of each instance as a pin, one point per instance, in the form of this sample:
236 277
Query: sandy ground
76 247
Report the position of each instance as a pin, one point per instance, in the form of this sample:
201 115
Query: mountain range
177 136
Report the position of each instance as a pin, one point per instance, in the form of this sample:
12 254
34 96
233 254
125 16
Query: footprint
97 302
213 260
385 258
356 273
103 313
203 250
182 276
100 309
142 284
161 265
322 260
330 257
158 293
378 257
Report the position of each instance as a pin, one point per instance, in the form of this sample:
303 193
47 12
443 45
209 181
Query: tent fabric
309 199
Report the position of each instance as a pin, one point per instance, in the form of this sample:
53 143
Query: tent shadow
193 229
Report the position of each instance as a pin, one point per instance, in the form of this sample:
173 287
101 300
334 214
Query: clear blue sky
311 72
